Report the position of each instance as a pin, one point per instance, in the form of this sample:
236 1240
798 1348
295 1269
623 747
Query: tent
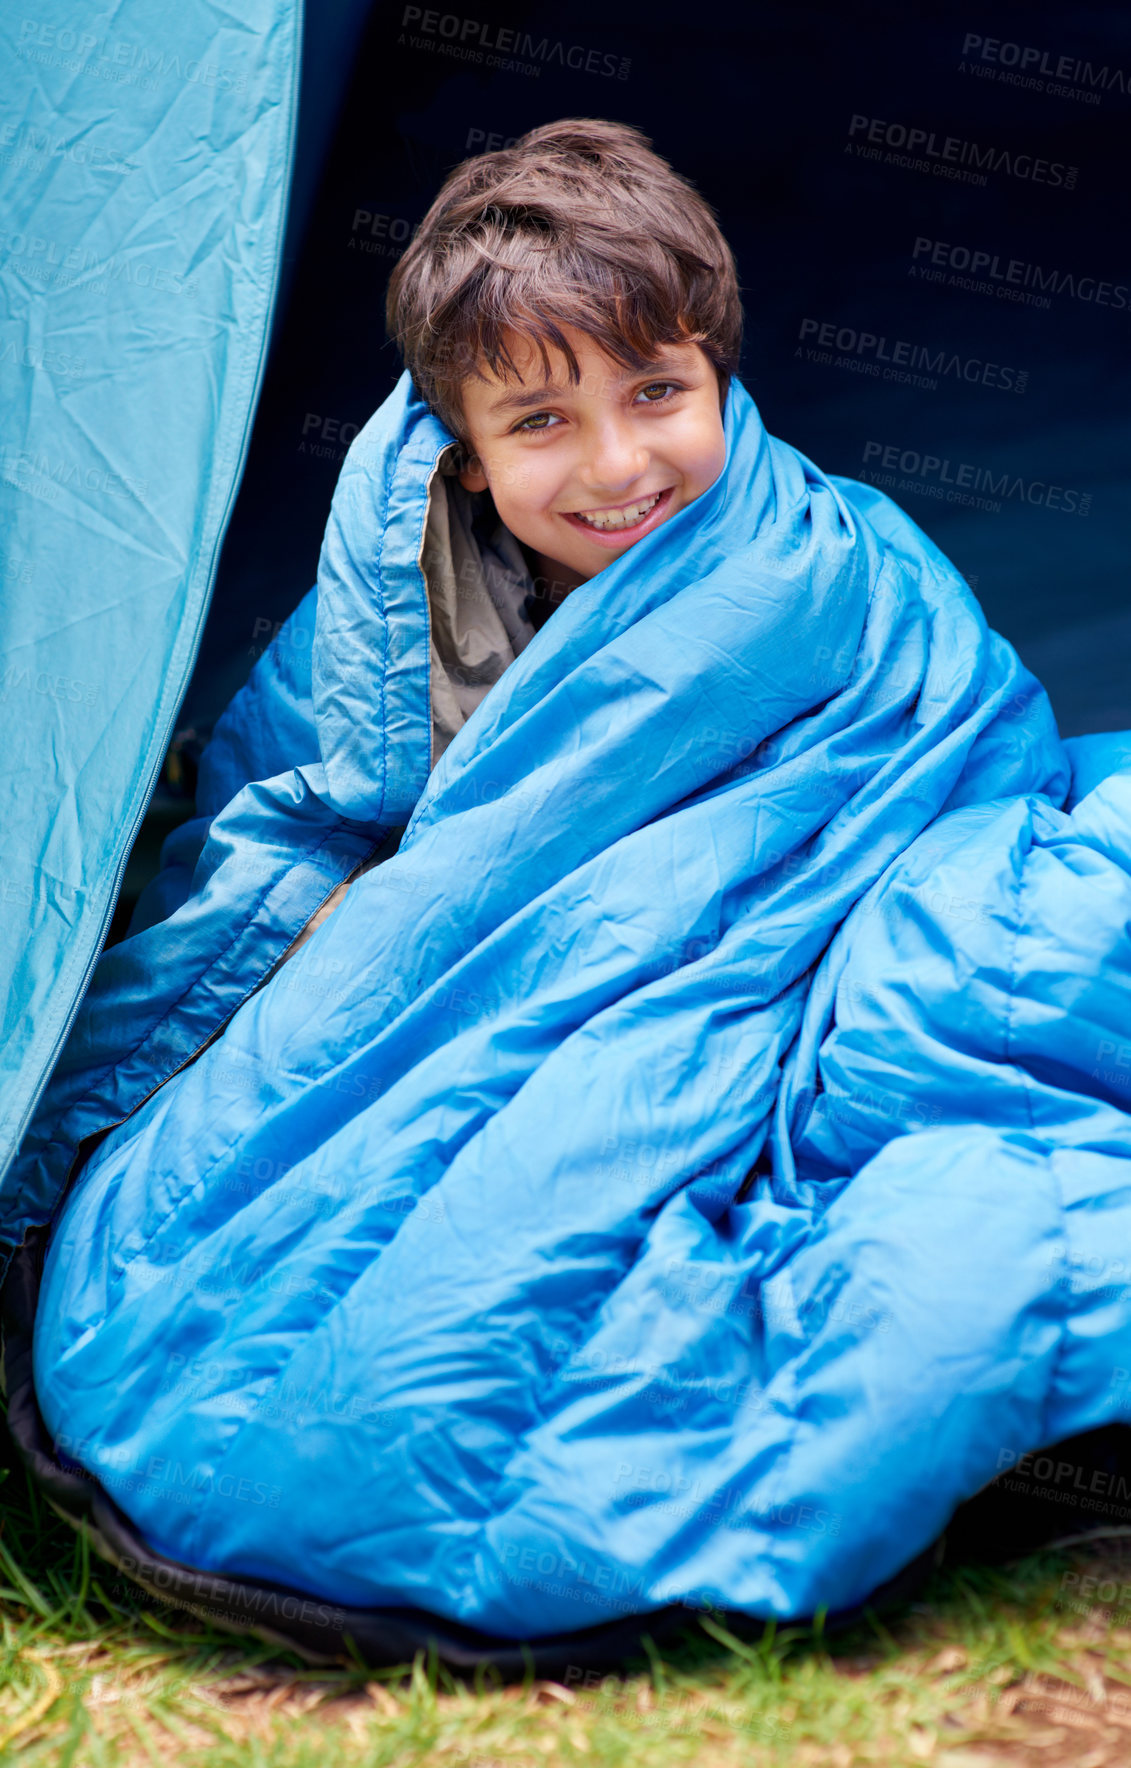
144 230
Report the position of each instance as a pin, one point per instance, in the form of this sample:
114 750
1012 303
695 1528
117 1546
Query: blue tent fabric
684 1170
147 153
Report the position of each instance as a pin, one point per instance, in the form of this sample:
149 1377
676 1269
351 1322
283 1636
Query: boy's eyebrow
518 401
524 399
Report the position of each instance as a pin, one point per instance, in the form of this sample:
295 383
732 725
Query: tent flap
148 154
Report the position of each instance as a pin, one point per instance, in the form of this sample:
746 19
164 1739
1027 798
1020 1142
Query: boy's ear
471 474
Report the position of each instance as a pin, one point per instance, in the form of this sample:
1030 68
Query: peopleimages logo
915 364
934 475
112 58
951 156
1095 1480
471 39
29 143
1014 274
54 261
1065 76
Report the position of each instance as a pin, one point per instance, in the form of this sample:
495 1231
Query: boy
529 1224
590 417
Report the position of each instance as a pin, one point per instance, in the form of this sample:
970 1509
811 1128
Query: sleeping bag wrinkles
278 858
656 1179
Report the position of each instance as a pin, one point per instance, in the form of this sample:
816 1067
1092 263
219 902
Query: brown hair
578 224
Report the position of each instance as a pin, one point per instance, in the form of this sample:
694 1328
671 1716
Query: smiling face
579 473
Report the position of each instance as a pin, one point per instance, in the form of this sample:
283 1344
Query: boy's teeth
632 512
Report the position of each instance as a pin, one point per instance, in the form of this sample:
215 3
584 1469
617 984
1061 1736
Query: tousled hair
578 224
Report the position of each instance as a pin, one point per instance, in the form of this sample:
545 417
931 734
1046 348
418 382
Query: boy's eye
538 420
657 391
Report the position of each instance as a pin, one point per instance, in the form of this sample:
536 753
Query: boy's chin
602 556
587 561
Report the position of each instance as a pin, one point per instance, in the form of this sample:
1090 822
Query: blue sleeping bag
685 1166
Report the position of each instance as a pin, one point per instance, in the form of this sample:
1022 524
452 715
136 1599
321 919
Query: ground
1026 1665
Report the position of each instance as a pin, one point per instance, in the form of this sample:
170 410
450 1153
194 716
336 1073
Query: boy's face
581 473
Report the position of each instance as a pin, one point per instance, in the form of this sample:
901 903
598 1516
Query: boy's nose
615 462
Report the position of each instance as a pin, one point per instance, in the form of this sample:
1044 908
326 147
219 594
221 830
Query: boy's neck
552 580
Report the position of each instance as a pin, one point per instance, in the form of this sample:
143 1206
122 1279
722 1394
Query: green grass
992 1666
